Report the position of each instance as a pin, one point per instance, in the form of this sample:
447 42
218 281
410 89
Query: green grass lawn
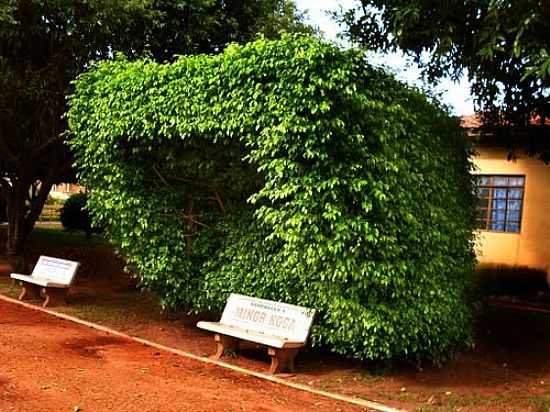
54 233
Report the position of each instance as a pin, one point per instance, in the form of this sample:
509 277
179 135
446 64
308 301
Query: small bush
75 216
510 280
54 201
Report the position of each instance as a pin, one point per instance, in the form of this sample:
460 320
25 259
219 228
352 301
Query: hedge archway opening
289 170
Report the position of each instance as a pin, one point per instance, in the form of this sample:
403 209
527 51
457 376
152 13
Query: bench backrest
271 318
57 270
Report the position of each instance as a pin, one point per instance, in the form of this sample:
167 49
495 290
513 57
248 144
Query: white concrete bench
50 279
283 328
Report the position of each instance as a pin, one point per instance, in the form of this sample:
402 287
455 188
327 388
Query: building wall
530 247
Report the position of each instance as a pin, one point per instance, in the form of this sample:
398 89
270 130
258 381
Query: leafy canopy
503 46
289 170
45 44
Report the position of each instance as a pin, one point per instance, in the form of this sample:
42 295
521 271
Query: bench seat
47 283
50 280
281 327
251 336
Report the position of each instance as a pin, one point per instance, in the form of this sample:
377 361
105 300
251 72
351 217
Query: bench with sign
283 328
50 279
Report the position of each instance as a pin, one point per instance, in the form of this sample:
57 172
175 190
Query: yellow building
514 209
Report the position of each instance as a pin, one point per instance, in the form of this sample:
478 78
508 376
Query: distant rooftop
473 121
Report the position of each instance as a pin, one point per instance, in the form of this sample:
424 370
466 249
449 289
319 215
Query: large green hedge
289 170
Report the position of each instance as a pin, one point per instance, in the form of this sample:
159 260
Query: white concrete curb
353 400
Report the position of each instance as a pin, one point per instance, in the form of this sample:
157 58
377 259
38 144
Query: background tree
503 47
45 44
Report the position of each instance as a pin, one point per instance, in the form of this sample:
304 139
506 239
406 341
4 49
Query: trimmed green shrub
74 215
510 280
288 170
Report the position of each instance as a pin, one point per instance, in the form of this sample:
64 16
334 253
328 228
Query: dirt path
508 371
47 364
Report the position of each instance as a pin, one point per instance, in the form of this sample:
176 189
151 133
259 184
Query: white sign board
271 318
54 269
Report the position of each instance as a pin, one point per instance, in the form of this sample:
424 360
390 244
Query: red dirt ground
509 370
47 364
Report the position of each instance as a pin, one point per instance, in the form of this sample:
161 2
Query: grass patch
124 309
540 404
8 288
432 408
470 402
52 233
59 236
121 310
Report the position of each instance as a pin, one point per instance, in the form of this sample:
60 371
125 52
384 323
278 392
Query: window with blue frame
500 203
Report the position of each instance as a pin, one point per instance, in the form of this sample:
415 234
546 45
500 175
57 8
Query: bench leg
54 296
225 343
29 291
282 359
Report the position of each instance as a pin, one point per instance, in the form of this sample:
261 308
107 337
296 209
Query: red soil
509 369
47 364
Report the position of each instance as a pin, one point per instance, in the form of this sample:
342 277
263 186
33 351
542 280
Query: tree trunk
15 201
24 204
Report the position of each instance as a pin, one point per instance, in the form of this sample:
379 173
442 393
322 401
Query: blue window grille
500 203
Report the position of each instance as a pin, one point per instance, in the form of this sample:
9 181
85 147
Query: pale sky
456 95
